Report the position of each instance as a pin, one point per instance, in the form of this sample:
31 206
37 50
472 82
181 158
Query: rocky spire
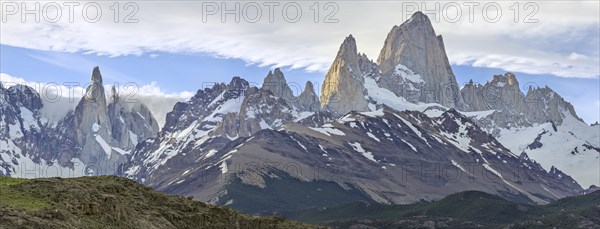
415 46
95 91
503 94
104 131
91 123
276 83
96 76
113 96
309 87
544 104
308 99
343 89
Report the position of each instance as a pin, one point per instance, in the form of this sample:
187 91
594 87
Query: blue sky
171 48
172 72
189 72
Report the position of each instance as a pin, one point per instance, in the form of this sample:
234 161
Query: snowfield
558 147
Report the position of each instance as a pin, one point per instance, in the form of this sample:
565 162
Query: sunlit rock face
343 89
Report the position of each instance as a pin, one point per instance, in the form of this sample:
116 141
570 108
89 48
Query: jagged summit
238 83
96 76
102 132
420 19
113 96
308 99
414 45
508 78
309 86
348 47
276 83
25 96
343 89
503 94
95 91
416 32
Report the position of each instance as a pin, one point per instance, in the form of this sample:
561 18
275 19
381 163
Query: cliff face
106 131
130 122
414 46
512 107
91 125
343 89
308 99
276 83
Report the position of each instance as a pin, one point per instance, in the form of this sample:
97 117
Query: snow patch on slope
358 148
105 146
328 130
558 147
408 74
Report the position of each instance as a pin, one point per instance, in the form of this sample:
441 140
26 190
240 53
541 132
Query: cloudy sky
173 48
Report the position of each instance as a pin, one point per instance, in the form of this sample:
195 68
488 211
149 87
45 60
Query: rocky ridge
93 139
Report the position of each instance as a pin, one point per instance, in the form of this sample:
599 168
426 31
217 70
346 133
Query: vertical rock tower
343 89
414 45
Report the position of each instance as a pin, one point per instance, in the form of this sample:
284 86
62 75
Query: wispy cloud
177 27
59 99
80 64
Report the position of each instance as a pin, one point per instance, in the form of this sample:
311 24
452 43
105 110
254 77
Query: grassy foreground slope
113 202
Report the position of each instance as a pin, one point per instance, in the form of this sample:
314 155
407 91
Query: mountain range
396 130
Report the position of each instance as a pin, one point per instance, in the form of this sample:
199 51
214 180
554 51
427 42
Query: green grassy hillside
471 209
113 202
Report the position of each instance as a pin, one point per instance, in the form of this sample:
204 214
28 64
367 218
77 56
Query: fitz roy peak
413 49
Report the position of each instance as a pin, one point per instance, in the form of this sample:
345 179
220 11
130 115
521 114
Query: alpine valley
398 130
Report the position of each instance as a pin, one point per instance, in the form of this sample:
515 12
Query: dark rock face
24 96
536 144
29 146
